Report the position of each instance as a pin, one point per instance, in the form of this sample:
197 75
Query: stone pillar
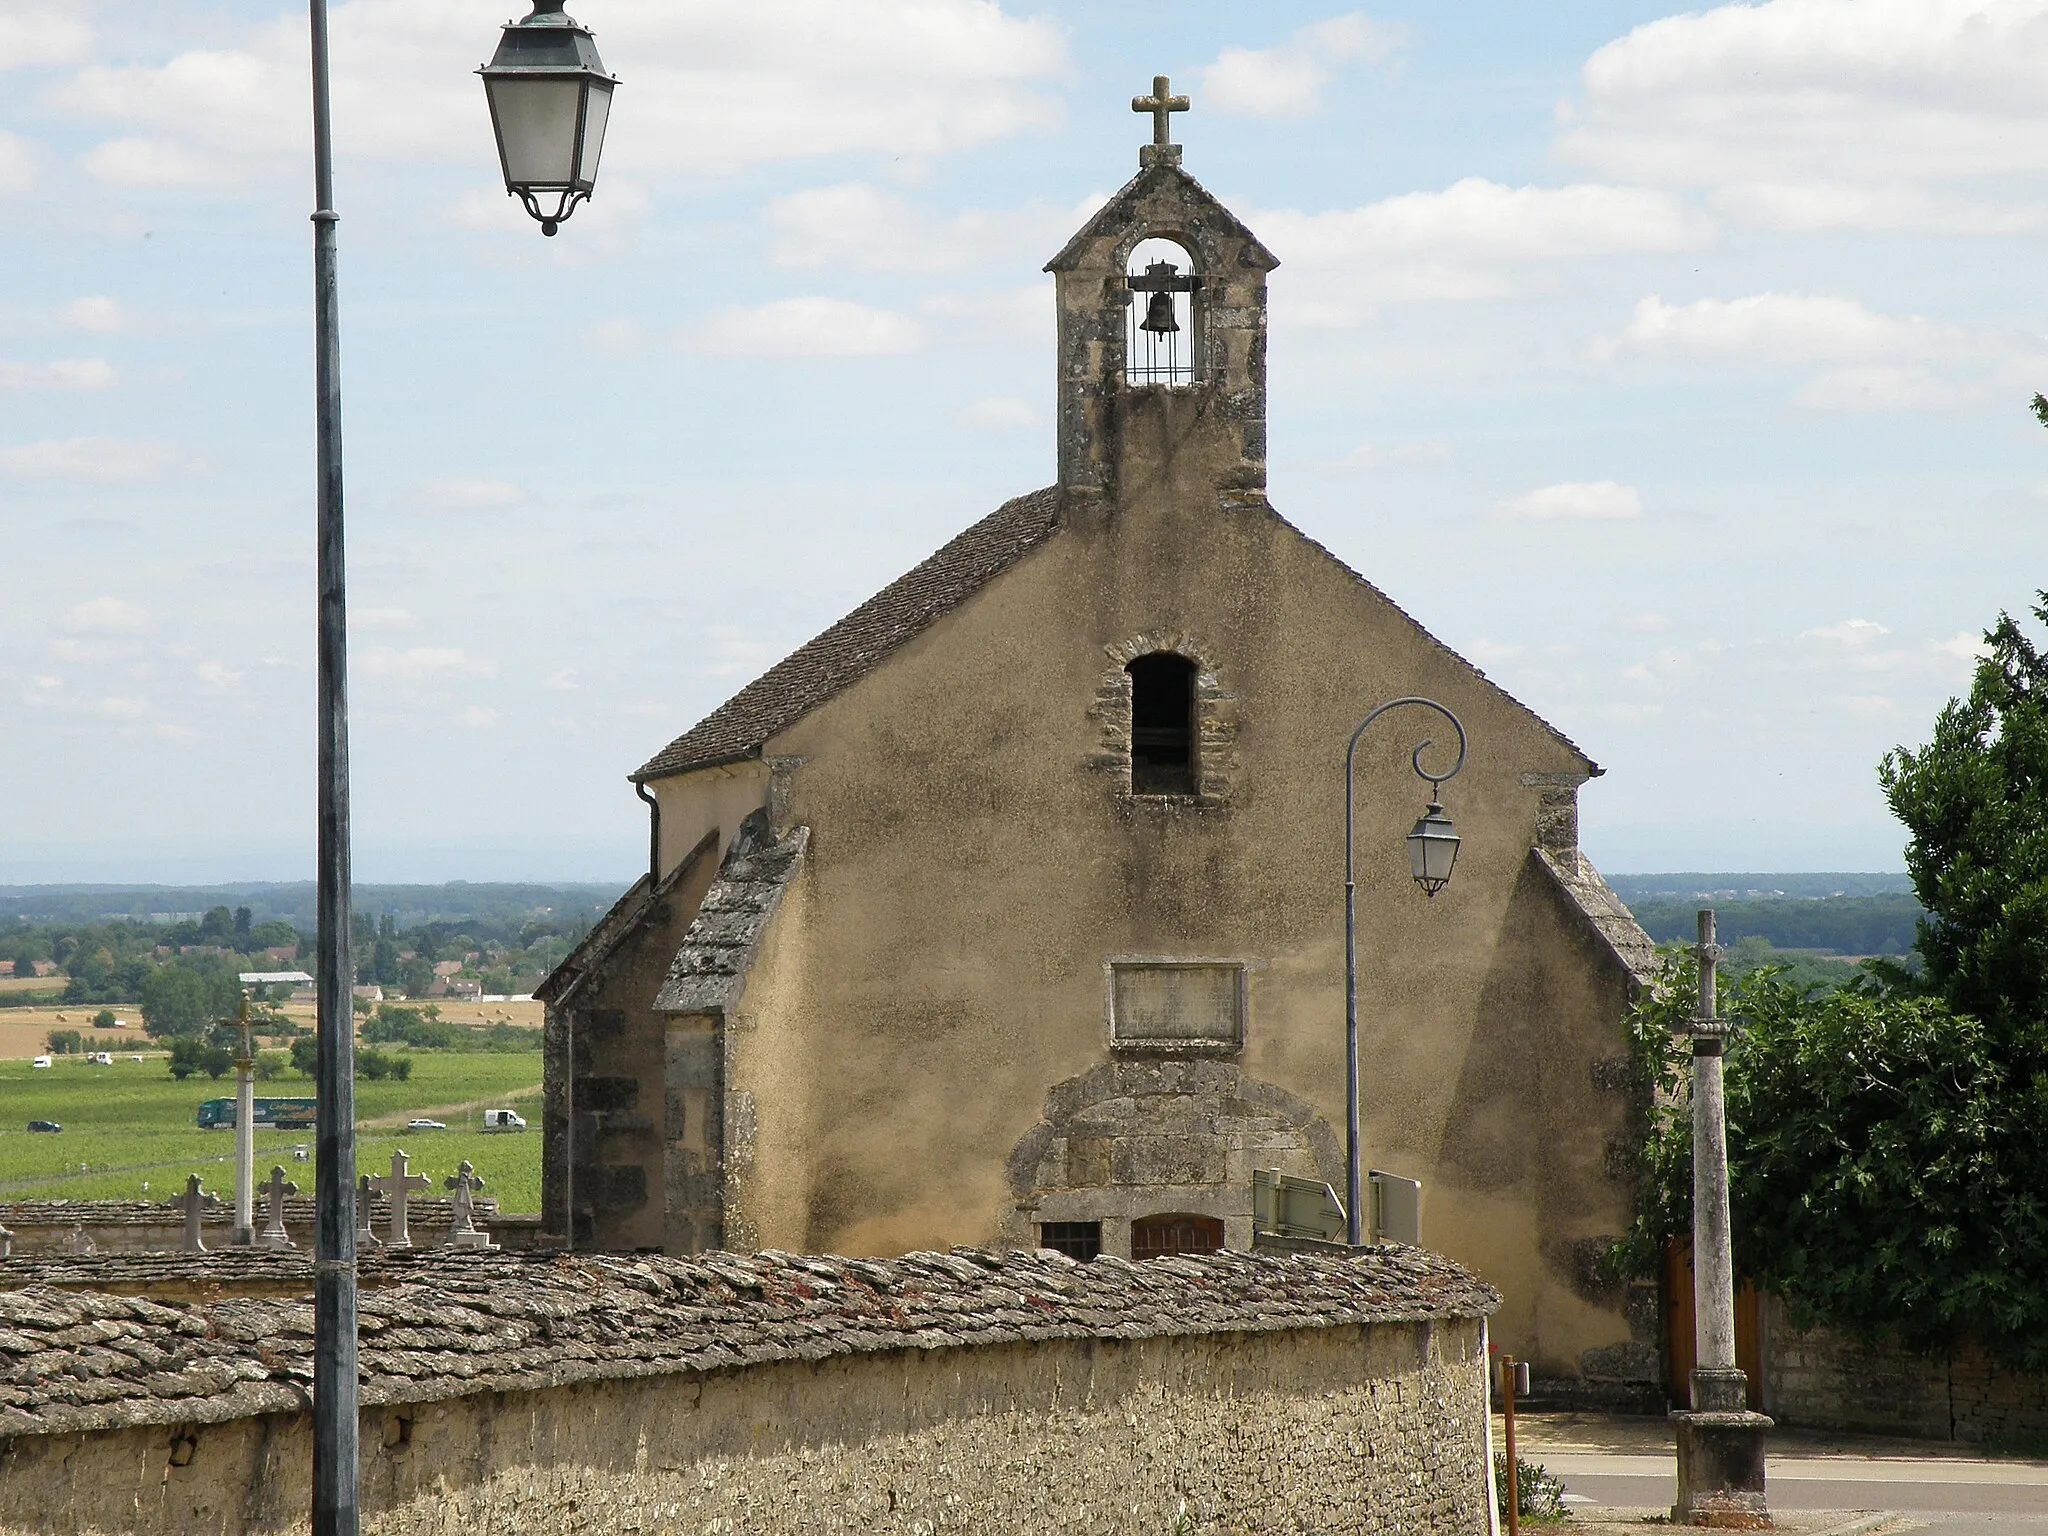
1720 1443
245 1139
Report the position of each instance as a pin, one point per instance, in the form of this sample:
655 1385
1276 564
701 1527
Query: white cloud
807 327
866 227
1475 239
470 495
478 717
29 38
1850 632
381 618
1400 455
1003 315
1648 622
999 413
1288 80
121 708
1821 113
1781 327
70 373
1881 389
105 459
1578 500
421 664
708 86
1491 653
107 616
1968 646
96 313
216 677
18 158
151 163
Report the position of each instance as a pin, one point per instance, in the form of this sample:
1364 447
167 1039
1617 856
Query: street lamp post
1432 851
335 1448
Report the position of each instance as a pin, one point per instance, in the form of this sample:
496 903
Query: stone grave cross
465 1234
397 1187
274 1189
365 1238
194 1202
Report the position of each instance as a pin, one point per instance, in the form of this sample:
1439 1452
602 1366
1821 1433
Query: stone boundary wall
1825 1380
970 1392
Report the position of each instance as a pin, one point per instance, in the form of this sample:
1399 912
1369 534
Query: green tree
64 1042
217 927
185 999
1974 801
26 967
306 1056
185 1053
244 922
104 1019
1888 1167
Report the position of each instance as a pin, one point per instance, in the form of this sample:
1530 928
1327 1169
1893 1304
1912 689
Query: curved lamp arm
1354 1226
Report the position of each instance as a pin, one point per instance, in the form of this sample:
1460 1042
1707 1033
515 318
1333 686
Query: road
1956 1496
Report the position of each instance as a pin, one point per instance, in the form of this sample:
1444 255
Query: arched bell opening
1162 341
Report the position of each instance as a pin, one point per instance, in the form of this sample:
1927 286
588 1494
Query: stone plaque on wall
1197 1004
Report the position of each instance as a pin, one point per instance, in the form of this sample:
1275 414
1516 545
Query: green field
129 1130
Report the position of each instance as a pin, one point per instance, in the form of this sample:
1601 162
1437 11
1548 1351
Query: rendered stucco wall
1376 1429
974 864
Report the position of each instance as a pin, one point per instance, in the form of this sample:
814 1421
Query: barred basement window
1162 724
1157 1237
1076 1239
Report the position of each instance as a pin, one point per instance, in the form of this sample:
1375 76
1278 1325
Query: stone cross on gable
397 1187
365 1238
193 1201
465 1184
273 1190
1160 104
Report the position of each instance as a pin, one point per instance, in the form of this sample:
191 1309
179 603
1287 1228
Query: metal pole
1507 1367
335 1449
1715 1377
1353 1168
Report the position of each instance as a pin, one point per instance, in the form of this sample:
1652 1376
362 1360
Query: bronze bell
1159 314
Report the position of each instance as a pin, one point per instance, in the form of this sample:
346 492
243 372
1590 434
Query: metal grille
1076 1239
1157 1237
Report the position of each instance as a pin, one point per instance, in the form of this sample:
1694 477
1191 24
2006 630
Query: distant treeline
1841 925
458 901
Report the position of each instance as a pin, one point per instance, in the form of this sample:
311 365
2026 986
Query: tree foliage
188 997
1974 801
1888 1162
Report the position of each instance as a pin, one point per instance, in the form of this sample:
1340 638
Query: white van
40 1061
102 1058
502 1120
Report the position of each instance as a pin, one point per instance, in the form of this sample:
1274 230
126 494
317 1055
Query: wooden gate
1680 1339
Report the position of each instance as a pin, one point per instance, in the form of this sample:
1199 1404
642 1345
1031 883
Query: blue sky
1673 367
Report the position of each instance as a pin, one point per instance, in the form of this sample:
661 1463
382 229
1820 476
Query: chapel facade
1010 909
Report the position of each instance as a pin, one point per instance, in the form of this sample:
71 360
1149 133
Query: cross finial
1161 104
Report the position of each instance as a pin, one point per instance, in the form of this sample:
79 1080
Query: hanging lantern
550 99
1433 849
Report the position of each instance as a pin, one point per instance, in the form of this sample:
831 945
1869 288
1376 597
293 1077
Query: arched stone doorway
1132 1140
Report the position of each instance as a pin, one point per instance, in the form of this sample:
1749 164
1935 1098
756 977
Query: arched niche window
1162 343
1162 724
1159 1237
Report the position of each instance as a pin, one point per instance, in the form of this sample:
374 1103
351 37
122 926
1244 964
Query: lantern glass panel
536 128
595 112
1432 851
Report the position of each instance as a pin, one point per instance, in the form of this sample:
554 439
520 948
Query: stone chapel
1010 909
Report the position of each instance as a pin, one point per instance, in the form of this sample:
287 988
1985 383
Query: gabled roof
1121 211
850 649
1606 914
